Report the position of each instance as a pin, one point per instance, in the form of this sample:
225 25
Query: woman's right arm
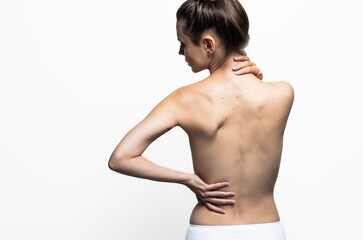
244 65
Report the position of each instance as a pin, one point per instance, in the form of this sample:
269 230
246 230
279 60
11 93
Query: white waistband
257 225
265 231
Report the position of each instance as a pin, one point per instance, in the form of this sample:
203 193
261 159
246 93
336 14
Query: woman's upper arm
160 120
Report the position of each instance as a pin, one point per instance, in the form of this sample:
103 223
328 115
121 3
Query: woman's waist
244 211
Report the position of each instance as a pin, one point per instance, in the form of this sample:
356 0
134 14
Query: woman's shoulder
190 92
282 89
284 95
285 86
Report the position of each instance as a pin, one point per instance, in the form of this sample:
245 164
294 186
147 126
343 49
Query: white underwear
262 231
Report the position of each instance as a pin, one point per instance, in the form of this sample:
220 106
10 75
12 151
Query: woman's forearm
212 195
141 167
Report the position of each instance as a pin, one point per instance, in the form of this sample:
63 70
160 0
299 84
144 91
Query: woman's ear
209 44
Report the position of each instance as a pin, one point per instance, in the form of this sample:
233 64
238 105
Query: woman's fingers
215 186
243 65
219 201
241 58
212 198
214 208
260 75
218 194
207 194
250 69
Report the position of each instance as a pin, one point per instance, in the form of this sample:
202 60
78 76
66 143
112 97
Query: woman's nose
181 51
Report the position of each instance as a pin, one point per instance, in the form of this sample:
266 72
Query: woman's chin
194 70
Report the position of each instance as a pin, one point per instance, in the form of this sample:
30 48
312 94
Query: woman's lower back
251 211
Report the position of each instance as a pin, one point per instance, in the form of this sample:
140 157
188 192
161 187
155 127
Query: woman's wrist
186 178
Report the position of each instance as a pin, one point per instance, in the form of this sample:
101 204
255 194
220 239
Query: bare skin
235 125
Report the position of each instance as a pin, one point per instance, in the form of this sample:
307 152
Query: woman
235 124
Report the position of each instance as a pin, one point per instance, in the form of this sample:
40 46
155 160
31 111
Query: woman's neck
222 63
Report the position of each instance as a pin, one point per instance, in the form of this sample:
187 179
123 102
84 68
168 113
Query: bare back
235 126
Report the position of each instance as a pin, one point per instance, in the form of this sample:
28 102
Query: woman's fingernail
235 58
236 73
234 68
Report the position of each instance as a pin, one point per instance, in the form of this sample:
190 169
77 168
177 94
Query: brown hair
227 18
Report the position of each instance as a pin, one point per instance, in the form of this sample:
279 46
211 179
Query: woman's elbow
115 163
111 163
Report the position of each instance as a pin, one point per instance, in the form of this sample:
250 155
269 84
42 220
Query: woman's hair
226 18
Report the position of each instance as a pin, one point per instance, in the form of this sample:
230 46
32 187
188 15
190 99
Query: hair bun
226 18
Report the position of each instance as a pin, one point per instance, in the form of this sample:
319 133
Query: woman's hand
244 65
209 193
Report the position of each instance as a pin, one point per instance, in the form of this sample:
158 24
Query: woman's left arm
127 157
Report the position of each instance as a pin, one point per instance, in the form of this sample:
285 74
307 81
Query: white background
75 76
